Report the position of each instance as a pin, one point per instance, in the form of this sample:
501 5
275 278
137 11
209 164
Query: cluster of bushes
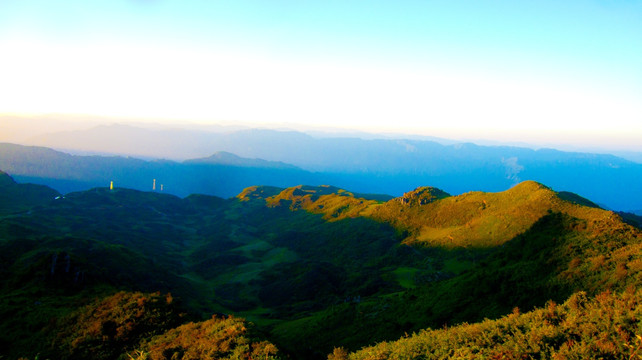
147 326
218 338
110 326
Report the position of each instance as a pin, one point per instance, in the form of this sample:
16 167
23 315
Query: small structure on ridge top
111 185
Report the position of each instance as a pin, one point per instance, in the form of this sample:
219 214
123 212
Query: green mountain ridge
21 197
313 267
433 217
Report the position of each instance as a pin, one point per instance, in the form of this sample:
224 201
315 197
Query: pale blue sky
509 70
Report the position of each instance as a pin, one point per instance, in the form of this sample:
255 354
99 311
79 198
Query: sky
567 72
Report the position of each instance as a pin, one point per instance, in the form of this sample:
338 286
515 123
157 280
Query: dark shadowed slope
21 197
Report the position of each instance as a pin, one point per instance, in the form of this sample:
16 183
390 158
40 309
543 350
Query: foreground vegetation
606 326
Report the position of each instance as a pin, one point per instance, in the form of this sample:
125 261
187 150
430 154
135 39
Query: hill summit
227 158
422 196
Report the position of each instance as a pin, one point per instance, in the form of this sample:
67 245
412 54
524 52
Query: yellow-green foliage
258 192
333 203
606 326
217 338
431 217
603 253
478 219
594 256
143 326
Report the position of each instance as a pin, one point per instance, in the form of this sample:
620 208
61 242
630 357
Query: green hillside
21 197
476 219
311 269
601 327
556 257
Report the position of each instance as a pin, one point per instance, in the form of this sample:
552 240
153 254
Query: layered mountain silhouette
221 174
229 162
225 158
318 270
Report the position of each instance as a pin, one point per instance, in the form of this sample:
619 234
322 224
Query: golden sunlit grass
217 338
581 328
431 217
334 203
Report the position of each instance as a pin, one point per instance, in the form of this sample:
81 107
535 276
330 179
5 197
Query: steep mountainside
313 267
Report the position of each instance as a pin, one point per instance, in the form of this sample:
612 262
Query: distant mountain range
288 158
221 174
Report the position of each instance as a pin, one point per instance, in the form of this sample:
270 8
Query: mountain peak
423 195
227 158
528 186
224 156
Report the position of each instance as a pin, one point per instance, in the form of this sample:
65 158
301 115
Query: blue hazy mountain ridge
226 158
389 166
68 173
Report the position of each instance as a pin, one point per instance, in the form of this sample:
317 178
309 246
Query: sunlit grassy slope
601 327
476 219
431 217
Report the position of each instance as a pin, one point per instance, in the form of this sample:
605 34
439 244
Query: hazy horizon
565 75
25 130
